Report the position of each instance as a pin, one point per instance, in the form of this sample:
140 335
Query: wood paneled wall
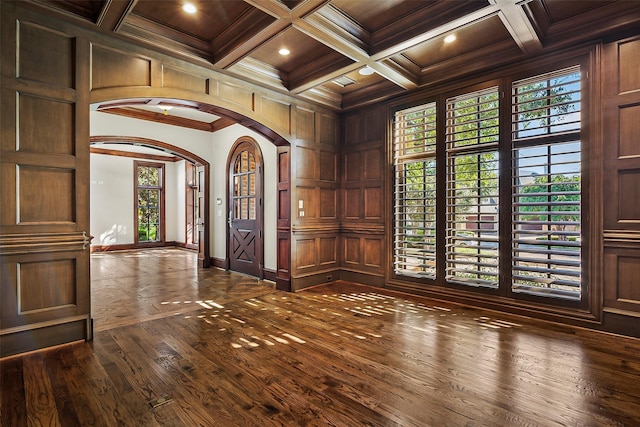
315 228
621 93
363 253
44 215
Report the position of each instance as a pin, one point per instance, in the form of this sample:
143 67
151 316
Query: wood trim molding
149 143
133 155
45 242
151 116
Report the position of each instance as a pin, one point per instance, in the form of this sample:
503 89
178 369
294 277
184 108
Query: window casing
522 240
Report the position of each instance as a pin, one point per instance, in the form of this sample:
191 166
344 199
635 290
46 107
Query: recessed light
189 8
450 38
284 51
165 108
365 71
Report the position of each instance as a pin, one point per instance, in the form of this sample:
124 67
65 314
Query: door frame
239 145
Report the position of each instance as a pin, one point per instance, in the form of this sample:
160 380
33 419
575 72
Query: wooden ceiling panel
476 36
561 10
211 19
374 15
304 50
87 9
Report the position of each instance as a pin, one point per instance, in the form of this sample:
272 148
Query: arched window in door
244 186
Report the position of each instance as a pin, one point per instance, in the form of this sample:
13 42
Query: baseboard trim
133 246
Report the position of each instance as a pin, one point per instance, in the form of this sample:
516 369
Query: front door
245 245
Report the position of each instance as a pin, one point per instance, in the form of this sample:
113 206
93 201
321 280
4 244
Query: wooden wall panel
46 195
8 209
328 129
328 249
306 163
373 252
374 128
36 117
351 125
629 144
328 166
235 94
276 112
622 269
112 68
46 285
352 253
352 203
373 166
328 204
307 203
178 79
629 77
373 203
55 53
8 134
305 124
629 196
305 253
353 167
43 286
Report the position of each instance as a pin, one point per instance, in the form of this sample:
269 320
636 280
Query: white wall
113 205
175 202
112 182
111 200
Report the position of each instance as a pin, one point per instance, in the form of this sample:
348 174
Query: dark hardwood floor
179 346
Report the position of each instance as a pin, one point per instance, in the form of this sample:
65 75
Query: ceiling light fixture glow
284 51
165 108
450 38
189 8
365 71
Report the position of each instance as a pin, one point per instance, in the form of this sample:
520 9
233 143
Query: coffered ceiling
330 41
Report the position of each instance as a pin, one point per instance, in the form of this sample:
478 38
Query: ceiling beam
113 14
515 19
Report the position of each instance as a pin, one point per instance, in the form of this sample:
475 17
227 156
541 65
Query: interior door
245 209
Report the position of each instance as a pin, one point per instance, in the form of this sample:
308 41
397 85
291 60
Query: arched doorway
201 183
245 231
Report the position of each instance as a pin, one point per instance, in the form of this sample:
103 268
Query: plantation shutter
415 191
472 188
547 185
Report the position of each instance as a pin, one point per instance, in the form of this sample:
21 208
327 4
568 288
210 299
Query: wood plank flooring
180 346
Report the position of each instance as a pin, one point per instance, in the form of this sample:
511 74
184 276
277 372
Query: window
510 202
472 188
149 202
415 191
546 224
244 186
